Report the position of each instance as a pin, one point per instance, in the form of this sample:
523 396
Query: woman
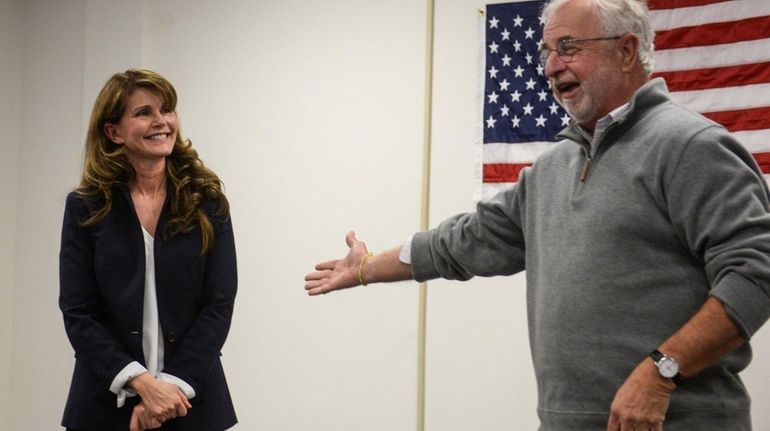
147 270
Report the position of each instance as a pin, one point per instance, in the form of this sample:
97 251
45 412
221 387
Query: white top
405 255
152 337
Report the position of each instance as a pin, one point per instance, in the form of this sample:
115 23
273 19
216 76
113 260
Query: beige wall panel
311 111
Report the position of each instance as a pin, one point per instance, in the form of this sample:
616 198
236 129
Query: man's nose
553 64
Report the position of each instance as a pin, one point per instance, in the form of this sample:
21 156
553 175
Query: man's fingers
327 266
316 291
318 275
619 423
350 238
313 292
314 284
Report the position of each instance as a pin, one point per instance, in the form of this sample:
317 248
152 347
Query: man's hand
141 419
163 401
337 274
641 403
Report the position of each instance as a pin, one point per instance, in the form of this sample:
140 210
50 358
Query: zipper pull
584 172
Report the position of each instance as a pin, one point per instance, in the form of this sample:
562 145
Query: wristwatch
667 366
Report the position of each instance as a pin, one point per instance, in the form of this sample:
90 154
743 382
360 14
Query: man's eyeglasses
567 48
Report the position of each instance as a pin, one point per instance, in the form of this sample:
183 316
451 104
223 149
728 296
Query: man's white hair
620 17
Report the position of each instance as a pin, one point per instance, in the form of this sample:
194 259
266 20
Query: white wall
49 157
479 371
312 113
10 141
756 377
304 108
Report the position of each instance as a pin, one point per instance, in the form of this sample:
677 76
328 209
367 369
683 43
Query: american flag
715 58
714 55
521 116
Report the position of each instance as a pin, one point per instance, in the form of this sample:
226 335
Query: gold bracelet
361 268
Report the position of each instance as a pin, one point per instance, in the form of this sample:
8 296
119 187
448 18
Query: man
646 237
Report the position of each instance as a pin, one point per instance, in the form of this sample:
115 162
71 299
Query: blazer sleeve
86 321
200 346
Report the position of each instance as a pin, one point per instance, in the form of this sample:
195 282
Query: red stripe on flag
509 172
717 77
503 172
674 4
763 160
742 119
714 34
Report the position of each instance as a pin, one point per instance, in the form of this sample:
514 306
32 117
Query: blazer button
171 337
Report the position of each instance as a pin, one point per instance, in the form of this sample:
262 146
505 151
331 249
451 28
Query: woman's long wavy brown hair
106 165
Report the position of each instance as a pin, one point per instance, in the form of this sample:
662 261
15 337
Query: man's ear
629 51
112 133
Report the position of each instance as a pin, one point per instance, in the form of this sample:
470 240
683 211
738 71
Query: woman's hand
162 401
141 419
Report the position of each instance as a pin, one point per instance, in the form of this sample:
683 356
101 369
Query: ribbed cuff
423 267
747 304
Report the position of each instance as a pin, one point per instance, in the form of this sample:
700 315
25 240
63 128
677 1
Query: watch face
668 367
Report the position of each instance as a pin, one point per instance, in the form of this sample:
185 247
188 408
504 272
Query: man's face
585 83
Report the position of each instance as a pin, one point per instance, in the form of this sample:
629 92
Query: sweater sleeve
718 202
487 242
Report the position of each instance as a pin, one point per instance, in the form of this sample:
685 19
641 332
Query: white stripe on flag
757 141
520 153
723 99
491 189
699 57
735 10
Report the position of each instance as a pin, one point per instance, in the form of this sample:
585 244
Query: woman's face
148 127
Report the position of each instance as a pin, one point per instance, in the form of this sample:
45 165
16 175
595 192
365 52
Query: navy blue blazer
101 273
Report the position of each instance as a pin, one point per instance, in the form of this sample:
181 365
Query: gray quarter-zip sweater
671 209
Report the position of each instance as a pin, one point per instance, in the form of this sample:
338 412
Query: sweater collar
653 93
